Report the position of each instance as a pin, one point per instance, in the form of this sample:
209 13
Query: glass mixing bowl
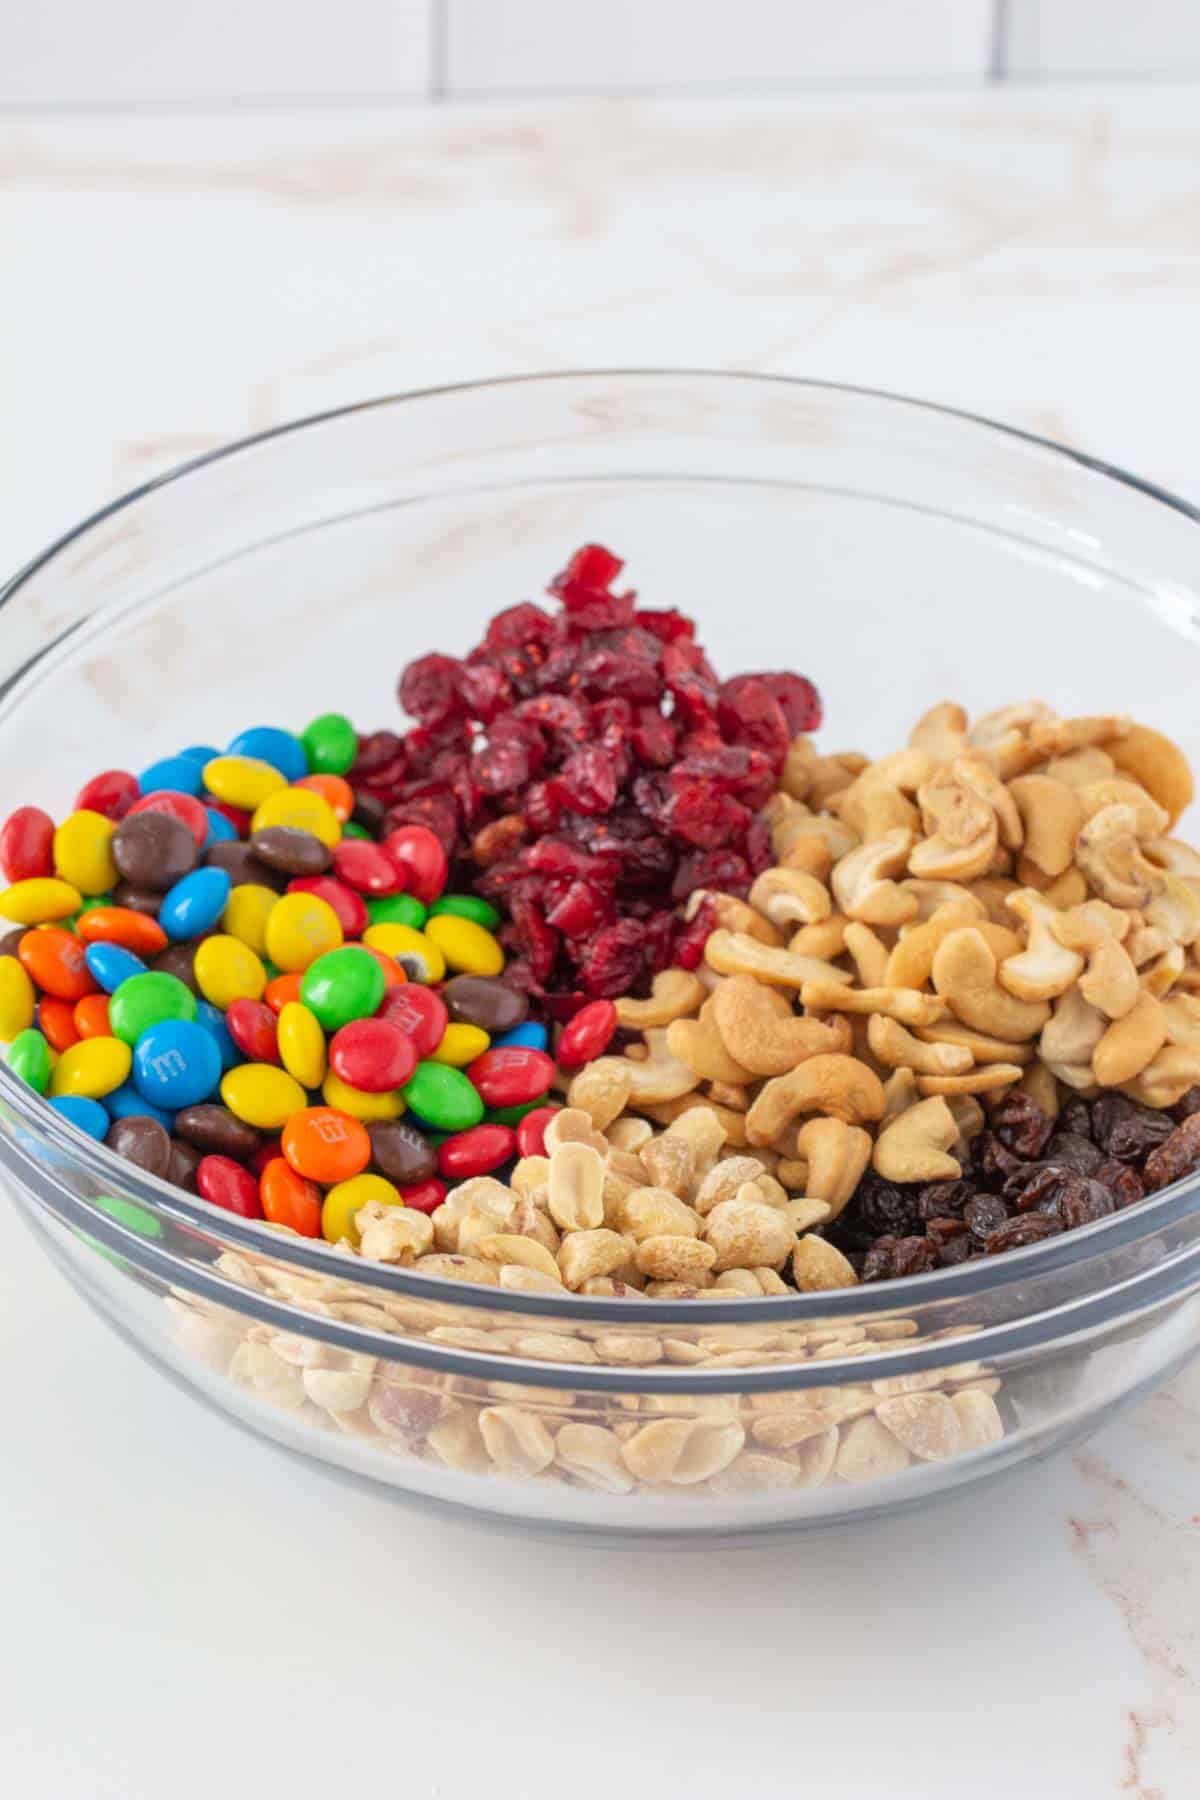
896 552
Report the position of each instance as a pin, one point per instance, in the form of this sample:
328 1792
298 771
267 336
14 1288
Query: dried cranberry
687 951
1021 1125
748 713
703 817
587 781
721 869
429 689
611 962
485 691
581 910
534 937
520 628
799 699
668 625
652 738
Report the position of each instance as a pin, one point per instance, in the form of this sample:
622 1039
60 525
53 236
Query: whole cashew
790 897
760 1031
1176 910
1130 1044
1110 856
1174 856
1158 764
896 1048
964 974
914 1146
873 806
988 1080
991 727
862 883
1054 737
1150 819
1046 967
963 832
841 1086
733 914
1052 815
932 895
732 953
1073 1033
904 1004
698 1043
870 954
837 1154
942 731
1079 767
1167 1079
911 962
825 941
673 995
790 822
983 1048
975 772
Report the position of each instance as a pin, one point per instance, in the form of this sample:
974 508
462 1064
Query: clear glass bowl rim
1073 1249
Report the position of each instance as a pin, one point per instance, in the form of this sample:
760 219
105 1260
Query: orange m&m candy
91 1016
121 925
280 989
337 794
54 961
56 1022
288 1199
393 973
323 1144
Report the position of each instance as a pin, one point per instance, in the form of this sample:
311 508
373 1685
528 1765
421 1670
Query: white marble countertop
185 1612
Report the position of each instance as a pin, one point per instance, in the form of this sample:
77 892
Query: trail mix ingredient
587 770
993 916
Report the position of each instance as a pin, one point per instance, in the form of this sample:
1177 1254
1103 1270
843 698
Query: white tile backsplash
110 51
538 46
1101 37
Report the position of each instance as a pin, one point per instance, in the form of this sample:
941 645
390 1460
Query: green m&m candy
342 985
444 1096
396 909
330 744
145 1000
29 1058
465 906
353 830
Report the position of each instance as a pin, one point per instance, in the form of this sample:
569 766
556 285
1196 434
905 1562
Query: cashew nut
1176 910
1054 737
1039 1083
987 1080
991 892
1150 819
1052 814
1066 890
1110 856
873 806
904 1004
1130 1044
1158 764
911 962
964 974
942 731
790 822
931 896
732 915
896 1048
1176 857
991 727
983 1048
825 941
1110 981
1073 1033
698 1043
899 1093
789 896
837 1155
862 883
673 995
838 1085
974 771
1046 967
869 953
963 832
732 953
1080 767
1162 975
914 1146
1182 1015
1167 1079
760 1031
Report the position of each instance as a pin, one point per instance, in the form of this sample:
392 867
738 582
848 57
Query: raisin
940 1231
1132 1140
944 1199
984 1215
1047 1186
880 1208
957 1250
1109 1111
1026 1228
1190 1103
877 1264
1078 1153
1177 1157
1021 1125
891 1257
1122 1182
1076 1117
1084 1207
993 1160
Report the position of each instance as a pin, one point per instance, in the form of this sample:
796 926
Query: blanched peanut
817 1266
674 1258
576 1188
746 1234
653 1212
602 1089
584 1254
